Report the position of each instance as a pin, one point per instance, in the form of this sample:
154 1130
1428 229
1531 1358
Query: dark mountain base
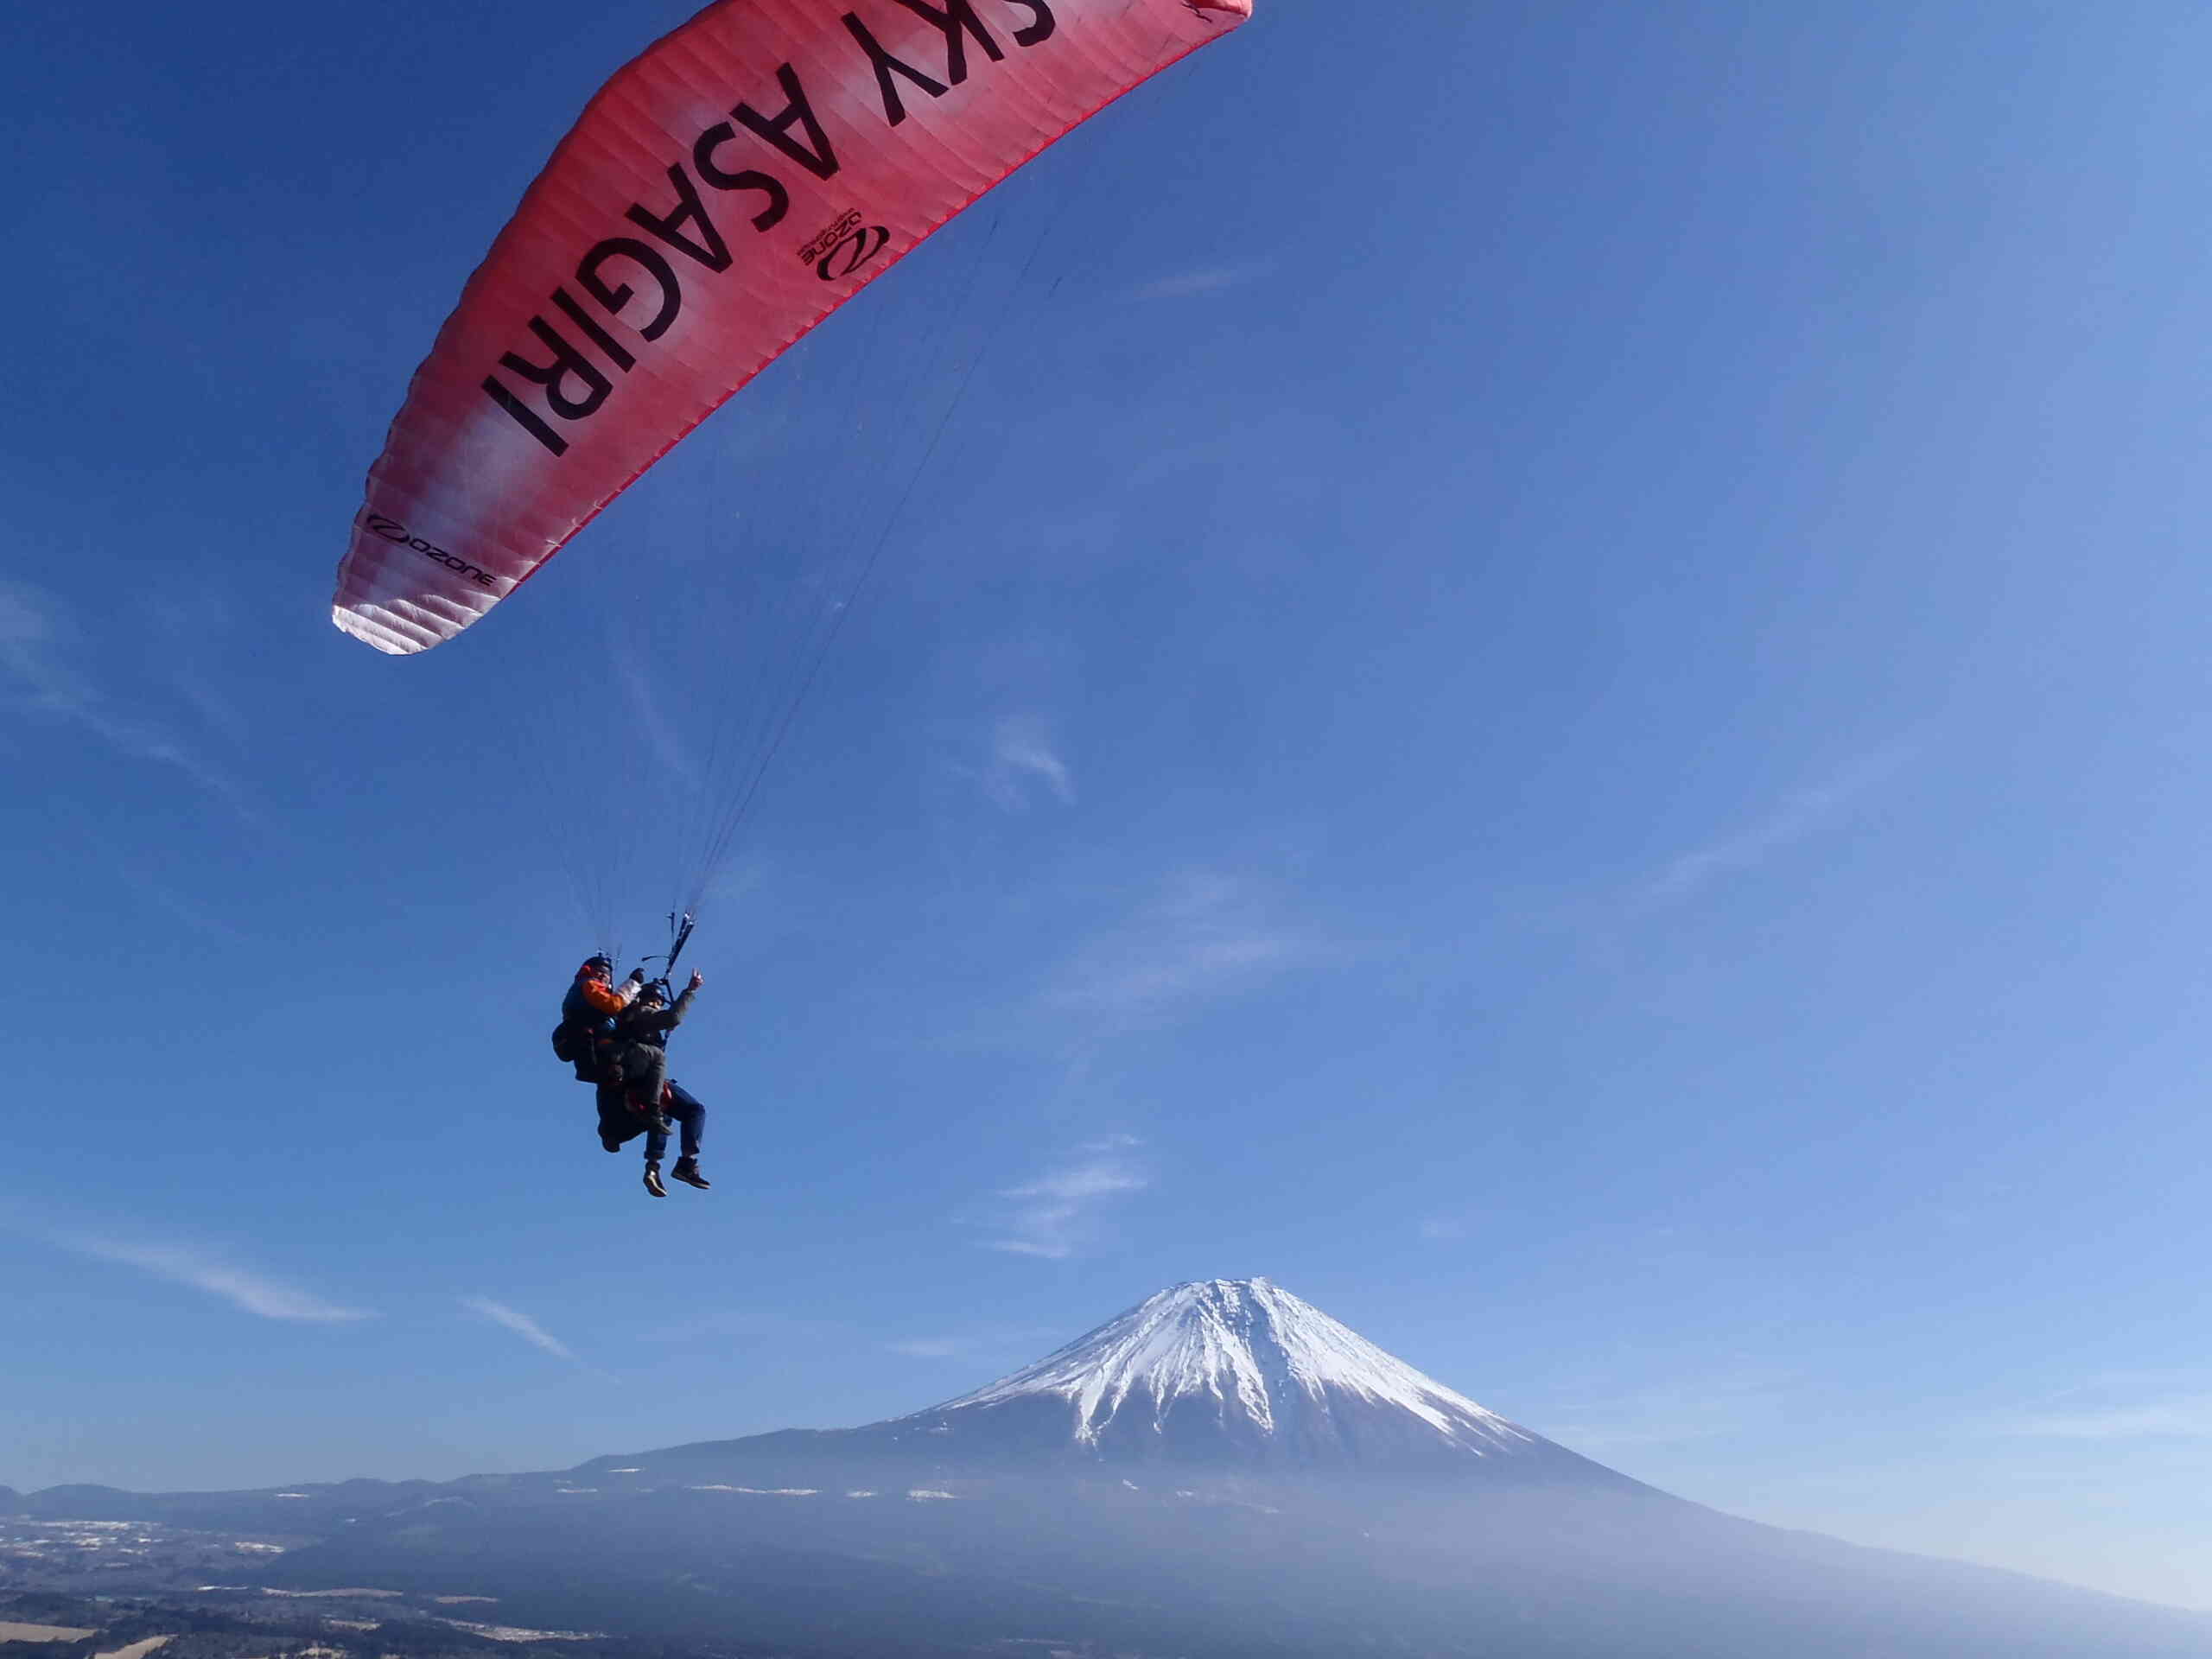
1222 1570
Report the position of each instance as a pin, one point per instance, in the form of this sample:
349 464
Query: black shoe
652 1181
687 1171
610 1143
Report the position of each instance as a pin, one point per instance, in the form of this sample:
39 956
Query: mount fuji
1235 1370
1224 1472
1224 1375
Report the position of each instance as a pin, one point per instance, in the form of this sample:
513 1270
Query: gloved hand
636 976
697 979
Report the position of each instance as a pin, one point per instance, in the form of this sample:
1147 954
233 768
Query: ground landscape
1223 1473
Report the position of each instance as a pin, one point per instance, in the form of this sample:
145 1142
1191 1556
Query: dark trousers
644 1068
690 1117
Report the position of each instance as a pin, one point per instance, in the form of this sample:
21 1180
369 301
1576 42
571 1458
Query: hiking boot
652 1180
687 1171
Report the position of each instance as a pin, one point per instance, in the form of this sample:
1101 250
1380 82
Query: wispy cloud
521 1323
1701 1408
1197 939
243 1287
165 897
1200 935
2170 1418
1024 761
1798 814
2182 1416
35 631
932 1347
1056 1213
991 1345
646 717
1205 279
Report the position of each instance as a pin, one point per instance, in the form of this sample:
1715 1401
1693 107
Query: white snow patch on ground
517 1633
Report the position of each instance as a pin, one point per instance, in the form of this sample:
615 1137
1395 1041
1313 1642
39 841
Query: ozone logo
393 530
855 250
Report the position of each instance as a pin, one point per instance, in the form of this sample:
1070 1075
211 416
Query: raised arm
674 1017
611 999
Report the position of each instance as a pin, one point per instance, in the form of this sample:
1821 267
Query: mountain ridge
1218 1374
1220 1472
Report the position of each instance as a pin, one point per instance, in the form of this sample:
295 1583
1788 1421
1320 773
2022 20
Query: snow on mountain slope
1235 1367
1233 1376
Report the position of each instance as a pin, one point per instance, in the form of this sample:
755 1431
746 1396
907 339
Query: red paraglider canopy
724 193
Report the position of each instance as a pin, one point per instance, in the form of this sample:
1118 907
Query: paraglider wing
724 193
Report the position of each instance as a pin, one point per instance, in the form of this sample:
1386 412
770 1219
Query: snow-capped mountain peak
1238 1364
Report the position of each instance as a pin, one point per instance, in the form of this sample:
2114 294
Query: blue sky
1548 685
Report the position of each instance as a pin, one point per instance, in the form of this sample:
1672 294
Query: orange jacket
595 992
592 1003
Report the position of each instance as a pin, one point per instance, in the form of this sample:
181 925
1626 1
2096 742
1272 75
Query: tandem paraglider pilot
616 1037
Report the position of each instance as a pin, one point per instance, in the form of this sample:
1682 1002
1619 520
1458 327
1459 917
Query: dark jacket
589 1013
638 1025
633 1064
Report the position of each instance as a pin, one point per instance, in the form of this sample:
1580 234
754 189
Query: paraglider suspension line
680 937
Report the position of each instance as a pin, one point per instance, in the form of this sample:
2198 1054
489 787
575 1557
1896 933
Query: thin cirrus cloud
985 1345
521 1323
243 1287
631 674
1024 763
931 1348
2179 1417
1796 816
1056 1213
1726 1404
1200 935
34 630
1198 938
1203 280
